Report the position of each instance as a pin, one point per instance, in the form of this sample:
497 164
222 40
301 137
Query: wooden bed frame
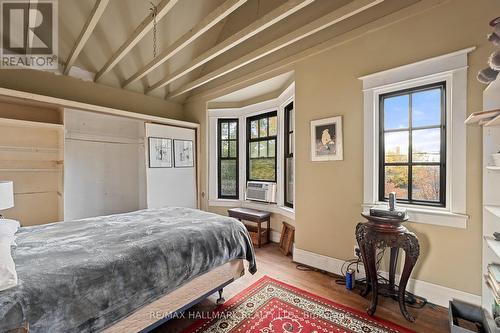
160 311
165 308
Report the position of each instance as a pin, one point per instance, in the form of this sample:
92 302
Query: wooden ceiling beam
95 15
146 25
323 22
208 22
278 14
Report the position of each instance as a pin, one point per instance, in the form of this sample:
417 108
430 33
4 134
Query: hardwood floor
270 261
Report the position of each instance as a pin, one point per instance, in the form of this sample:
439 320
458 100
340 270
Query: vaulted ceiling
199 43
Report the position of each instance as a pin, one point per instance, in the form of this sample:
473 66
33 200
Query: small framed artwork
326 139
160 152
183 154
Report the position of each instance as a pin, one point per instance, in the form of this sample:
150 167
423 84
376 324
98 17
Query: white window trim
278 104
451 68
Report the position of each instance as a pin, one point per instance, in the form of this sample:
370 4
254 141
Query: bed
124 272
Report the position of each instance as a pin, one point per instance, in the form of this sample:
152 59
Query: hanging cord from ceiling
154 13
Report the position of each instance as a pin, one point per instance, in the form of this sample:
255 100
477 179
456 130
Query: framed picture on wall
326 139
160 152
183 154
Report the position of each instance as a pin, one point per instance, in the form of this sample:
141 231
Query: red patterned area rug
271 306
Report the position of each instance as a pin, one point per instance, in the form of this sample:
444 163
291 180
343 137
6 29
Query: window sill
272 208
429 215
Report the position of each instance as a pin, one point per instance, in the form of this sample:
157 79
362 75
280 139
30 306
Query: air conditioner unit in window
261 191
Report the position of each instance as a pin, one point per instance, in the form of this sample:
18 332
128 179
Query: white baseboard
434 293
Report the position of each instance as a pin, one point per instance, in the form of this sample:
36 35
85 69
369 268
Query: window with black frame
413 145
228 159
262 133
289 174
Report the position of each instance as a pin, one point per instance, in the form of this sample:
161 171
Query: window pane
396 112
263 127
228 178
225 149
263 149
426 108
273 126
290 121
289 180
254 149
271 149
426 183
224 131
426 145
254 129
232 149
233 130
396 147
262 169
290 143
396 180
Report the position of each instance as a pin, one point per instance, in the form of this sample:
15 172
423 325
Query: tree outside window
413 145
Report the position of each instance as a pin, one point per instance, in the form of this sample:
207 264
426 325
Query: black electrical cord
411 299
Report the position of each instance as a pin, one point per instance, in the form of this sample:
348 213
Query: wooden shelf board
26 123
495 210
30 149
29 170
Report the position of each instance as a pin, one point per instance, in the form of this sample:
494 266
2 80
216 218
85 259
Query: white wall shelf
493 122
493 245
491 183
495 210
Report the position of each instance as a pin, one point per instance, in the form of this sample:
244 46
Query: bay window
289 163
262 131
228 158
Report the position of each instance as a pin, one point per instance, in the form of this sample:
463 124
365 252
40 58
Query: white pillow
8 274
7 229
9 226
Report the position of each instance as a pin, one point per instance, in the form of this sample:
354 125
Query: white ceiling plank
323 22
208 22
146 25
95 15
278 14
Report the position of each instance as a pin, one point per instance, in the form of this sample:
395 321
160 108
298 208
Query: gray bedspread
82 276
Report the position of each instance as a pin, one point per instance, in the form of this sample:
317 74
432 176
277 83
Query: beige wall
329 194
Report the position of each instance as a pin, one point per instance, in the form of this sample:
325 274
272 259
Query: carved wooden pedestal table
381 232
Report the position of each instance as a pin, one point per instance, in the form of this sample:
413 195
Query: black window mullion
410 148
287 153
260 139
410 164
442 172
220 158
